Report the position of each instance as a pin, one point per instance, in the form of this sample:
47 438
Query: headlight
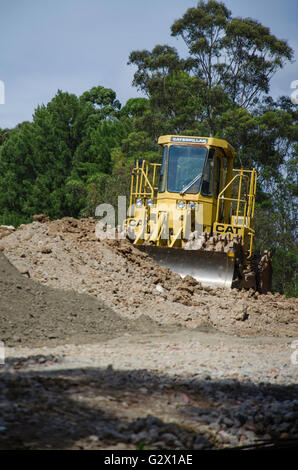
139 202
150 203
181 204
192 205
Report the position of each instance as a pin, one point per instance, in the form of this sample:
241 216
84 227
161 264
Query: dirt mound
33 314
6 230
67 254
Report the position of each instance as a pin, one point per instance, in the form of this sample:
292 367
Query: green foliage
4 135
276 226
238 54
230 63
51 164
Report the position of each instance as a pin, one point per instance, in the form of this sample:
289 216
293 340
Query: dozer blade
209 268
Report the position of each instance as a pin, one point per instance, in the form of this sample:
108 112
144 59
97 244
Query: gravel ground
181 390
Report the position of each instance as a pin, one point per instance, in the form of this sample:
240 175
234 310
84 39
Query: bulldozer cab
195 170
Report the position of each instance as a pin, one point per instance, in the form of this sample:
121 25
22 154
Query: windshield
186 163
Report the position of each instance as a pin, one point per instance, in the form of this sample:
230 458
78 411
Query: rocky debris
239 311
17 363
6 230
218 243
68 254
42 218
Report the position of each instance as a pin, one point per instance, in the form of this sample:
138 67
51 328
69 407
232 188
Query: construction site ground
106 350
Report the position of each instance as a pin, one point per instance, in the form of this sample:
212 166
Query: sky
73 45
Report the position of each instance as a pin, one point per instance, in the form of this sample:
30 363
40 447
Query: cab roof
187 139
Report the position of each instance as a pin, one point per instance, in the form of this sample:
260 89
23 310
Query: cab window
207 183
163 172
217 175
185 168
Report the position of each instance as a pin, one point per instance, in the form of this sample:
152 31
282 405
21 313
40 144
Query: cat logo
227 229
137 223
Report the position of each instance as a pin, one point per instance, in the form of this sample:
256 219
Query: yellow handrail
141 181
221 197
245 197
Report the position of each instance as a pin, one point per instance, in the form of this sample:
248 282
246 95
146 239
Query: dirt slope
66 254
33 314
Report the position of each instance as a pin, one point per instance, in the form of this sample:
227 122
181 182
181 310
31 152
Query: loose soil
66 254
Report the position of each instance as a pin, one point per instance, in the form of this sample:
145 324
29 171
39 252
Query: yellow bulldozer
194 214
